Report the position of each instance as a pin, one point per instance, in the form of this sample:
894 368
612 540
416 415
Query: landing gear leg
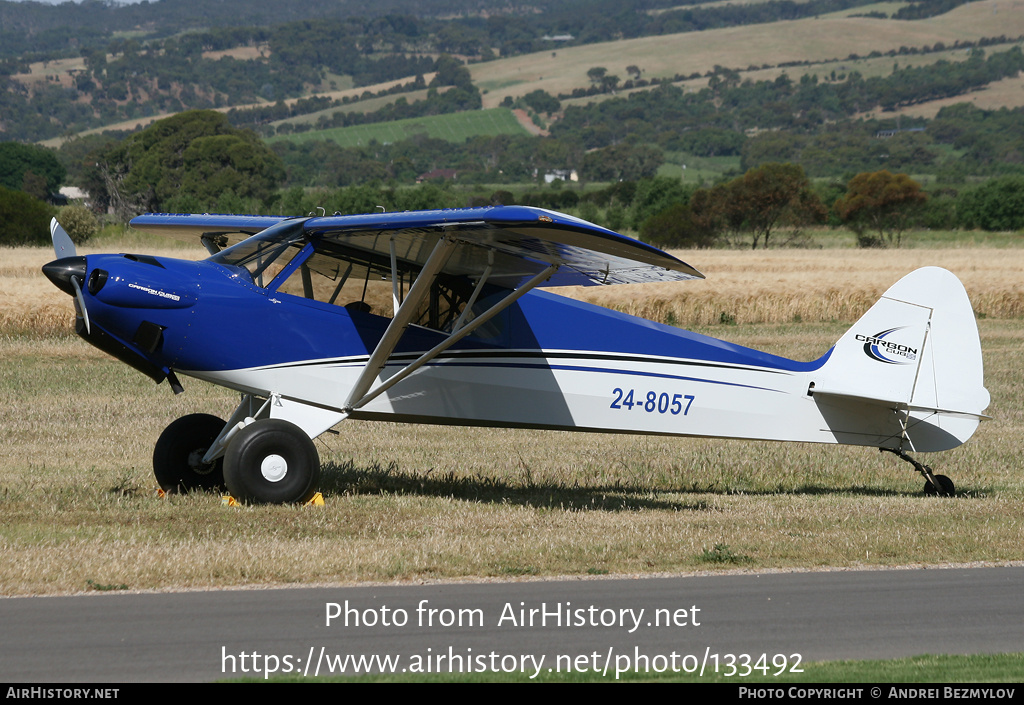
934 484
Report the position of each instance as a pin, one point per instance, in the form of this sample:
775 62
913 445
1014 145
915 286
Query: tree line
197 162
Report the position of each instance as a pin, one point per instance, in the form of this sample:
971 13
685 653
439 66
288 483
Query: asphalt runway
686 622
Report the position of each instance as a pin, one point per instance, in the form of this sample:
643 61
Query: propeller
67 272
62 245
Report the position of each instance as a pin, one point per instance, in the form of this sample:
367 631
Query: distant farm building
438 175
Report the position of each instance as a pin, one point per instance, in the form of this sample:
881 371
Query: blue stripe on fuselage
237 325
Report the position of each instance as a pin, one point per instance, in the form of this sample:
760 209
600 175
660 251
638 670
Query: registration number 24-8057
654 402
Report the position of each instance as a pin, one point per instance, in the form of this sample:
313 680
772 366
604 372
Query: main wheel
178 455
272 461
946 488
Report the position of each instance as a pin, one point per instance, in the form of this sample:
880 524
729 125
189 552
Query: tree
609 82
621 162
596 74
542 101
773 195
654 195
41 166
997 204
676 226
78 222
23 220
882 202
193 158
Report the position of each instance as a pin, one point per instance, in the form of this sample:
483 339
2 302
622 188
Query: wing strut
403 317
359 397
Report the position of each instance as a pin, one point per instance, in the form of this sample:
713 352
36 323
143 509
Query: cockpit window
367 287
266 254
338 273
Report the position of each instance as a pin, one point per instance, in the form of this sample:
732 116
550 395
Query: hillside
814 45
805 44
379 100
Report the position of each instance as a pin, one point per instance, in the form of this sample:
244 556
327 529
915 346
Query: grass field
367 105
455 127
407 502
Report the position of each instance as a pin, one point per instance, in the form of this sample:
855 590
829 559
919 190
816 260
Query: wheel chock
227 500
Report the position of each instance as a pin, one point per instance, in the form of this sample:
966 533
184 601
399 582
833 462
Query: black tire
945 484
179 451
272 461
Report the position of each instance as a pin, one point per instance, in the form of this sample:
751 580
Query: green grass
454 127
699 170
979 668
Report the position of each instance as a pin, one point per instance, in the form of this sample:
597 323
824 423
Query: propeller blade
62 244
80 303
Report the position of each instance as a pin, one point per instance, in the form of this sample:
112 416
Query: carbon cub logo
878 348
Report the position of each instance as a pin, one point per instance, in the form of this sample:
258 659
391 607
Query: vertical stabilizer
916 356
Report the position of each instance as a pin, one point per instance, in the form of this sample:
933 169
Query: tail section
908 375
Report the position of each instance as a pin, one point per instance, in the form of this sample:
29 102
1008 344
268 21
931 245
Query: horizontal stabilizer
894 404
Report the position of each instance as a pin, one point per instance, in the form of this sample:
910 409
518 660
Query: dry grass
774 286
422 502
428 502
1007 93
779 286
246 53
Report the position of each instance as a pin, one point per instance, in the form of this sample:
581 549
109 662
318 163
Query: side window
341 283
366 287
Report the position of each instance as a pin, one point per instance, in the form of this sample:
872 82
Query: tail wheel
178 455
272 461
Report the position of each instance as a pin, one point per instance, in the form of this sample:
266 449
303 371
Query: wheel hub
195 462
274 468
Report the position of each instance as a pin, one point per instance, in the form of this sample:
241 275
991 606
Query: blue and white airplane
437 317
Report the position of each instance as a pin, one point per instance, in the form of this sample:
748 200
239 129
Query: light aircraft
437 317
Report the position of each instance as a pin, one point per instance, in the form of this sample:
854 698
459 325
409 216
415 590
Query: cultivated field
453 127
431 502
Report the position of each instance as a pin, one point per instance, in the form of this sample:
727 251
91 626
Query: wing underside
511 243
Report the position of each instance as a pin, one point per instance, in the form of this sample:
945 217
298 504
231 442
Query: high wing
512 243
215 232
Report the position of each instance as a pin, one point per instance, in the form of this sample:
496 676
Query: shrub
23 220
79 223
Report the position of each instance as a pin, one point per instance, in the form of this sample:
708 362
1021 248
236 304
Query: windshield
266 254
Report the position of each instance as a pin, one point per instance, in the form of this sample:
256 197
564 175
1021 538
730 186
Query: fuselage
545 362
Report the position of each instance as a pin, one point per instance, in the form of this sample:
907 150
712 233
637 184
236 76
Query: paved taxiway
188 636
